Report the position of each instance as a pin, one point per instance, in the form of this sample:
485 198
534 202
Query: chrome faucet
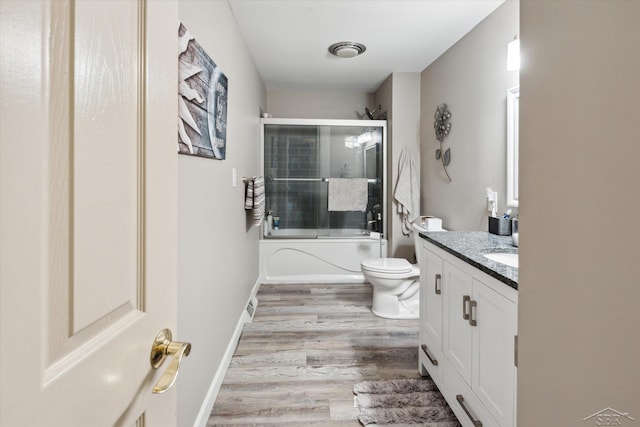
514 231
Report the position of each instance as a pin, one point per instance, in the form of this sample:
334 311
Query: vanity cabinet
468 324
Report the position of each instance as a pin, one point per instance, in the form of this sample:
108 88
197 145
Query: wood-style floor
297 362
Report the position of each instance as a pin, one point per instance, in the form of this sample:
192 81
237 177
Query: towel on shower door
348 194
254 199
407 192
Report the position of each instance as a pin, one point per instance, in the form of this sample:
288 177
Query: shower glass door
324 178
292 179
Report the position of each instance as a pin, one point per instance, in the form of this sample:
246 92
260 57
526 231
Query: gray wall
471 77
217 249
400 95
580 150
310 104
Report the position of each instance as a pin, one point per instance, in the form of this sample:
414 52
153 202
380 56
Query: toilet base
397 316
403 306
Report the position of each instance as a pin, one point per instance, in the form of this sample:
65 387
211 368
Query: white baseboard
216 383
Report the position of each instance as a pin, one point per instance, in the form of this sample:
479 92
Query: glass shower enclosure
324 178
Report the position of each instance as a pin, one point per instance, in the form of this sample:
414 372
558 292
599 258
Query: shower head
370 113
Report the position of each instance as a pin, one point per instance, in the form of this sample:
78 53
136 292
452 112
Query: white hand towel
407 191
348 194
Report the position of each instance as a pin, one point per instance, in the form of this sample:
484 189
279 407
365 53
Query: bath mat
403 402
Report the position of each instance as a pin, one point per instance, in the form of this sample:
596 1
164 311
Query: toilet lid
387 265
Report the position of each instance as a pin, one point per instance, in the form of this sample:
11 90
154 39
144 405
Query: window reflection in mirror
513 114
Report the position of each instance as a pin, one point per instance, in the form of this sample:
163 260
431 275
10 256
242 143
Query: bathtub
288 257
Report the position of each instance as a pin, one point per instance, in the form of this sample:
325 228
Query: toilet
396 283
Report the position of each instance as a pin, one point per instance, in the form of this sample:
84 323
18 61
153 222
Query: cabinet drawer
431 357
463 401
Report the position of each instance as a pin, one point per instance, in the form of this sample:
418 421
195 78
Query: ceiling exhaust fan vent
347 49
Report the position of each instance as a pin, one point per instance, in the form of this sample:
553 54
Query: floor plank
308 344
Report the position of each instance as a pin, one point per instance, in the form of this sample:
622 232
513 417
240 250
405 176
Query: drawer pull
437 284
460 399
472 304
465 300
433 361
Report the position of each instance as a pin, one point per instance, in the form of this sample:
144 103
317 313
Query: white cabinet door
493 352
432 297
89 210
431 311
457 291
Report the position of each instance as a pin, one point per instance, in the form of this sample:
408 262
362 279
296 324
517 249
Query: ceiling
288 39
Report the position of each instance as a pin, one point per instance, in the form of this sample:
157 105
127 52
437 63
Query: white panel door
457 291
89 214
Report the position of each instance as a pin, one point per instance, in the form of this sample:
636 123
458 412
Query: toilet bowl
396 284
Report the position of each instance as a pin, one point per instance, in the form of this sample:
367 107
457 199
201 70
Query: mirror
513 114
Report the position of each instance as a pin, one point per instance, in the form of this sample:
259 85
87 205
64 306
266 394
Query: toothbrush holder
500 226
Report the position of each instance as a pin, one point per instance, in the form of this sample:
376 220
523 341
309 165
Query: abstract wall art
202 101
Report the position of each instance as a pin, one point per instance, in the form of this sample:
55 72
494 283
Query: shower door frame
334 122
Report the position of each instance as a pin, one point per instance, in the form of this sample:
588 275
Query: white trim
218 378
325 122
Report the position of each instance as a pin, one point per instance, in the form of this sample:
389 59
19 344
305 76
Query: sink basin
503 258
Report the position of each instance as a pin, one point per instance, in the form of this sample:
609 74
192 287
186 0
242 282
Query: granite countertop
469 246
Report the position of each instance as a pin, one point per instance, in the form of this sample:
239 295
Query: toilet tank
384 248
417 240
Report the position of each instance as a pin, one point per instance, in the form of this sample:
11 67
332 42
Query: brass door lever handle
162 347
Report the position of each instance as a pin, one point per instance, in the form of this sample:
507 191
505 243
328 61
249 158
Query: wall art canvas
202 101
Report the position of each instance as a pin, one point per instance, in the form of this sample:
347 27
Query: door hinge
515 350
